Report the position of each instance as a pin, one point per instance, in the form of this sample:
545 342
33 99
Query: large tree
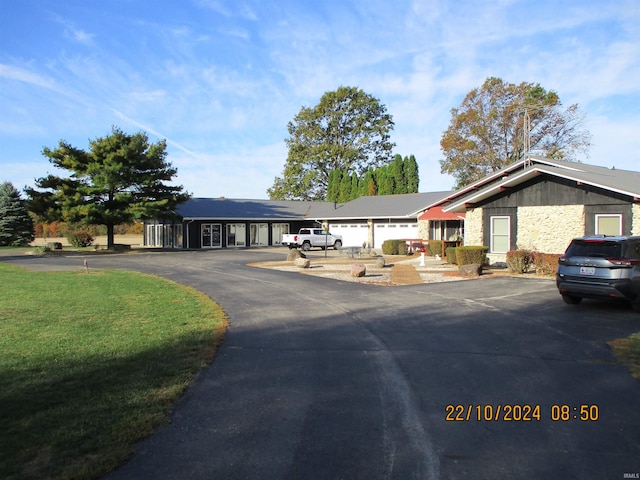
120 179
489 129
16 226
348 130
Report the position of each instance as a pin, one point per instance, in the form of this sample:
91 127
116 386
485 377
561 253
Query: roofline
534 172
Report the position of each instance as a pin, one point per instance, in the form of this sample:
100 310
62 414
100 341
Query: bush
450 252
473 254
435 247
546 263
80 239
519 261
393 247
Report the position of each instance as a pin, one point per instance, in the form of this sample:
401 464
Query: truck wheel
306 246
337 245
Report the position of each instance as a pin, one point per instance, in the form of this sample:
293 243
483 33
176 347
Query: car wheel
337 245
306 246
570 299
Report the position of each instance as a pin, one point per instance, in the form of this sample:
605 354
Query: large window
500 234
277 230
259 233
610 224
211 235
236 235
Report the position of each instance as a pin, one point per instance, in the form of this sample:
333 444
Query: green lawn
91 363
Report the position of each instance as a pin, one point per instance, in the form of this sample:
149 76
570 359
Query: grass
91 363
628 351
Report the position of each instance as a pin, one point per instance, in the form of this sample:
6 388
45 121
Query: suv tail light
624 262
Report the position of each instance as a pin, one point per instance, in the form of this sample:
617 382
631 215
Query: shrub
80 238
519 261
392 247
402 248
450 252
435 247
546 263
472 254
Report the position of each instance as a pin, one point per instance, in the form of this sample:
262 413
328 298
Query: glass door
211 234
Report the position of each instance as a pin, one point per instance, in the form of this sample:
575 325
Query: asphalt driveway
324 379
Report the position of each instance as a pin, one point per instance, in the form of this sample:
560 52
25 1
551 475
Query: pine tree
16 226
396 170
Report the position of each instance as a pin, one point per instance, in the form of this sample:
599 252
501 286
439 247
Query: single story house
540 204
222 222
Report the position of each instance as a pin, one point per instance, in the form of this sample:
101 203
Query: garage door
393 231
352 235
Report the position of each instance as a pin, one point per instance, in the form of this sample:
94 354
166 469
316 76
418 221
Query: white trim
491 234
610 215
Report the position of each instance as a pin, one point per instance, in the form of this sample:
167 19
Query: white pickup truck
311 237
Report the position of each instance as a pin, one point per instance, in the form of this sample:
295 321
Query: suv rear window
594 248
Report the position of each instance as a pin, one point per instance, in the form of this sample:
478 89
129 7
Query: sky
221 79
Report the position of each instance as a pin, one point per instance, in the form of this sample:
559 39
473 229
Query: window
259 234
236 234
277 230
211 235
609 224
500 234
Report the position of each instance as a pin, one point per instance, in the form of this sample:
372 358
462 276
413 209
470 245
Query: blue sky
220 80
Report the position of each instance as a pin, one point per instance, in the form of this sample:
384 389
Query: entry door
211 235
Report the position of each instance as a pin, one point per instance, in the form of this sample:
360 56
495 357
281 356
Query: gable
545 190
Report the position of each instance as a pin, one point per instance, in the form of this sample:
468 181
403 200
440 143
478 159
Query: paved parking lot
320 378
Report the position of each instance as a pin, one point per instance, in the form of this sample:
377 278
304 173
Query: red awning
436 213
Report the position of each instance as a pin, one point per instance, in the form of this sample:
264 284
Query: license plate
587 270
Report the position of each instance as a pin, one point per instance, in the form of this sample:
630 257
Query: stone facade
473 227
423 229
635 219
549 229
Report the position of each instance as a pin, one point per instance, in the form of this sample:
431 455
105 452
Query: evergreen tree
355 187
333 185
368 188
16 226
345 188
411 174
396 170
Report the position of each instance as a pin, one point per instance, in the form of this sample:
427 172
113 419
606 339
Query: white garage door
393 231
352 235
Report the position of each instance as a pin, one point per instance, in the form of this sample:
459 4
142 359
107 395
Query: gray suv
600 267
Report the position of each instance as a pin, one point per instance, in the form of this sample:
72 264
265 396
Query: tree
348 130
16 226
120 179
487 131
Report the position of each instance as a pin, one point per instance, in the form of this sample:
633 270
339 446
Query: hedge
394 247
546 263
435 247
450 253
519 261
81 238
471 254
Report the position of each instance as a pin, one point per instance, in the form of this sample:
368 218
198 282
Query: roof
383 206
436 213
406 205
625 182
246 209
